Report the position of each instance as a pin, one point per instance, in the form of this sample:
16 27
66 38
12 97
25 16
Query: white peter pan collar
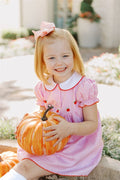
68 84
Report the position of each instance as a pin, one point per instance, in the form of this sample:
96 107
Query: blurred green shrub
111 137
16 33
88 12
7 128
30 31
71 25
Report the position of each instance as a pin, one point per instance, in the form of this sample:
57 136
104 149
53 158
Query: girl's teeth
59 70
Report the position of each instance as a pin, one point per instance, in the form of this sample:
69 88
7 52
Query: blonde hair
40 67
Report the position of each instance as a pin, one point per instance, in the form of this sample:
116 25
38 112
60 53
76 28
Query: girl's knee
24 167
30 170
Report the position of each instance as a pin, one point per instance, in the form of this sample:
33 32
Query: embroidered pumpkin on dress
30 133
8 160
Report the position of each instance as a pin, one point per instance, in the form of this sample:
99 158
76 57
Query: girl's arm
65 128
90 123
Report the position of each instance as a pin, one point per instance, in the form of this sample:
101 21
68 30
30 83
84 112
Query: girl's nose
59 61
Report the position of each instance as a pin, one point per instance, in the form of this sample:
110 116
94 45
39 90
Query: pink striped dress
82 153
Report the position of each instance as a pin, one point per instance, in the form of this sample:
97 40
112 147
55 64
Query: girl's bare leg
30 170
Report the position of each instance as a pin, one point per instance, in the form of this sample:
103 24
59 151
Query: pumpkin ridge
38 147
4 168
27 136
26 120
20 128
8 160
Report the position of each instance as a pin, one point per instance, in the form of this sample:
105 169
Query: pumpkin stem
44 118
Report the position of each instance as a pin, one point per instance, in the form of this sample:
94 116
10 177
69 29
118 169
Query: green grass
111 137
7 128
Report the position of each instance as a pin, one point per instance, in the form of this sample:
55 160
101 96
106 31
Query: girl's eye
51 58
66 55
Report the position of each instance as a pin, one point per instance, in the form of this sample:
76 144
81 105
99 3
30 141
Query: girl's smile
58 58
61 69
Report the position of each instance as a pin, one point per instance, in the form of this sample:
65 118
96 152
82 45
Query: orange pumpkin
30 133
8 160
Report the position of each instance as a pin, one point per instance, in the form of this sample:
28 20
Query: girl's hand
59 131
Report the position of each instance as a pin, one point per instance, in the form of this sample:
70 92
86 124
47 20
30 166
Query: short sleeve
38 90
87 93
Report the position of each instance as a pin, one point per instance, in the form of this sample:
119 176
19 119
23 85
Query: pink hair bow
45 29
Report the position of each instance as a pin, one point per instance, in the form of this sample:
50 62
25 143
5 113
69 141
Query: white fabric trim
68 84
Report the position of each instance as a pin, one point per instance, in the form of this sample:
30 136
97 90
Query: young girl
63 84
